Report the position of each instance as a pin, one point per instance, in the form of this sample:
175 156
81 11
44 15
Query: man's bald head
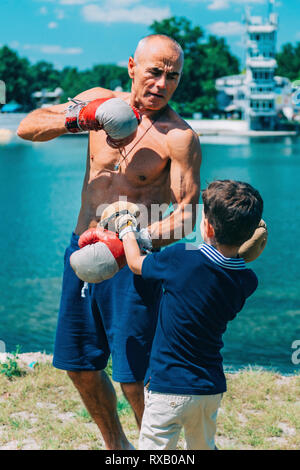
155 71
157 40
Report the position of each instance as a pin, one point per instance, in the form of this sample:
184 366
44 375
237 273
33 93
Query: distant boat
12 107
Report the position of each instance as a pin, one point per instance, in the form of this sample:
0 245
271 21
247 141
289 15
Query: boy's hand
124 224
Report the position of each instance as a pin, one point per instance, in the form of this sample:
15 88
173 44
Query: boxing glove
118 119
100 257
121 216
253 248
112 213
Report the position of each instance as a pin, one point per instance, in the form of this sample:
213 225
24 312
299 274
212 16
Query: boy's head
233 210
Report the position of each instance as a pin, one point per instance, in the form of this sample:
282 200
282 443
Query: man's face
155 75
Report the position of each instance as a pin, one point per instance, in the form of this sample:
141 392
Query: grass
40 409
10 368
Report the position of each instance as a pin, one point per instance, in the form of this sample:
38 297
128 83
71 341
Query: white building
45 98
257 95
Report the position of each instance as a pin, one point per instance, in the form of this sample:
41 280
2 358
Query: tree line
206 59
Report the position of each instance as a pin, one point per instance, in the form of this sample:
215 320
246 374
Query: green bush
11 368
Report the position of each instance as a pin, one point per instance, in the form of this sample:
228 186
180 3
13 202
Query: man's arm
185 154
48 123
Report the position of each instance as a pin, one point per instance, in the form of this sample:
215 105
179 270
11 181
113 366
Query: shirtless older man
161 165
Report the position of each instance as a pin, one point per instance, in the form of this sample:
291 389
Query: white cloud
114 3
61 50
123 63
137 15
123 3
52 25
225 4
73 2
14 44
60 14
43 11
231 28
218 5
53 49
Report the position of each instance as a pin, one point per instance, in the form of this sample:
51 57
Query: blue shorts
116 317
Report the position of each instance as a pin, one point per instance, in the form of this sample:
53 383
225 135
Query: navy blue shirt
203 291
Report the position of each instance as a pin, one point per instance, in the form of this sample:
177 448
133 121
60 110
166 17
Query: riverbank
203 127
227 127
40 409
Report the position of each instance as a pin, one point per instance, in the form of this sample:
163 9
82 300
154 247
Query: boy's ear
210 230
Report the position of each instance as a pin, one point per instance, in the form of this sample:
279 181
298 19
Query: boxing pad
253 248
100 257
111 214
117 118
121 216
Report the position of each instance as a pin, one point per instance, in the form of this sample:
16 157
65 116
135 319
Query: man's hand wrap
253 248
118 119
110 217
121 216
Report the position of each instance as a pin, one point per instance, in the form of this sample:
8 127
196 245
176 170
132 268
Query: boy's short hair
234 209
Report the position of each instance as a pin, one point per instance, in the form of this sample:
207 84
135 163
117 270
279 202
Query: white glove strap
127 229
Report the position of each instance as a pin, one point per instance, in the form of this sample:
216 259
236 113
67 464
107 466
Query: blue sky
82 33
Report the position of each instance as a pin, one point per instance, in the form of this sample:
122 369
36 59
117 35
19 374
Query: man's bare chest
141 162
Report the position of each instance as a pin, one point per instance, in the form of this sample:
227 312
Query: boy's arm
132 252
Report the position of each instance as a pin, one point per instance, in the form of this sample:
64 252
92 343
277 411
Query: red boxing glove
100 257
117 118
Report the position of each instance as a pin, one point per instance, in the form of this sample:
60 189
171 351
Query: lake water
40 187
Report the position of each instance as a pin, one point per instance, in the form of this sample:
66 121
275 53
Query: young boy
204 288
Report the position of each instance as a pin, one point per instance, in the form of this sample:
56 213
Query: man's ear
131 66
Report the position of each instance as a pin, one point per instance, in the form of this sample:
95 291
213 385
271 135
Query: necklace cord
121 160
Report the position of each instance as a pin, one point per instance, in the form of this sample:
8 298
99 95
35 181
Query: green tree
72 82
44 76
109 76
205 61
288 61
15 72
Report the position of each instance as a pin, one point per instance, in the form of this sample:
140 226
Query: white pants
165 415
